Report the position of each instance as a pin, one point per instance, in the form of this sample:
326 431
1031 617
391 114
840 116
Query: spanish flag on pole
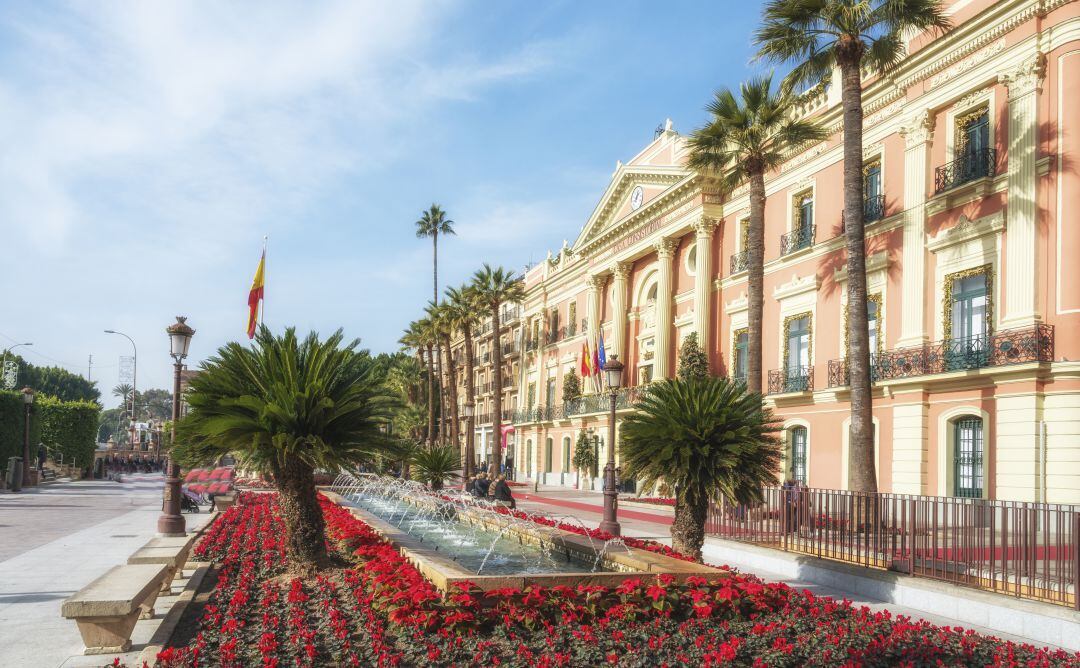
256 294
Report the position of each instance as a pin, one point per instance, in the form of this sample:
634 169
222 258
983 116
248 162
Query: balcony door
798 439
968 346
742 351
974 140
798 353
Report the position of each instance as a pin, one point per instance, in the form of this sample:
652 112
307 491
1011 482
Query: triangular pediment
633 186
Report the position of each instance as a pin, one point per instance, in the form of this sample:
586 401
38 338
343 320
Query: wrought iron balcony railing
740 261
799 238
531 345
791 379
968 167
873 211
1011 346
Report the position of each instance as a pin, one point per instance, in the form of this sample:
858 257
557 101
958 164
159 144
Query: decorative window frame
797 297
987 271
871 155
809 315
877 298
965 106
970 244
785 458
946 445
742 233
798 191
735 332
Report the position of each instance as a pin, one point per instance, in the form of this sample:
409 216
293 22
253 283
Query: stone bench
172 551
106 609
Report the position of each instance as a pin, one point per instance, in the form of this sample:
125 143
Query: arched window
968 457
566 453
798 452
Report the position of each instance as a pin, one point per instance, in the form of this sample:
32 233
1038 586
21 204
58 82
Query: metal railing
791 379
968 167
873 211
584 405
799 238
739 262
1027 550
1011 346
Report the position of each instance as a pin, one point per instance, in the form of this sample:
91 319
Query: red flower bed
384 613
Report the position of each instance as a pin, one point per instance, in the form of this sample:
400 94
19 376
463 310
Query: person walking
502 494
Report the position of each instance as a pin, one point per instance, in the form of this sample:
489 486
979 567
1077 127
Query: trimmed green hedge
68 427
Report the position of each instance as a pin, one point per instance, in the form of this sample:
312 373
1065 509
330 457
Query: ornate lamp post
468 410
28 402
171 522
613 371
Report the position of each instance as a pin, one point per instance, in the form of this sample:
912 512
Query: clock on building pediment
636 198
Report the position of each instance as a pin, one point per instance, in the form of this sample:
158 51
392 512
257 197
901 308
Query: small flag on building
585 359
601 355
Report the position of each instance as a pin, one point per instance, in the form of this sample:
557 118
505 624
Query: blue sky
147 147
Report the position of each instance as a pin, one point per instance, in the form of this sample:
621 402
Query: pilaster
918 132
910 458
619 271
665 251
1016 446
1021 249
703 228
595 283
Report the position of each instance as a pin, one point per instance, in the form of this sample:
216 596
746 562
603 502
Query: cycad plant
852 35
494 287
709 438
434 466
286 407
747 136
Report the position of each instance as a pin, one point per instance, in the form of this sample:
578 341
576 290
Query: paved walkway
54 540
656 524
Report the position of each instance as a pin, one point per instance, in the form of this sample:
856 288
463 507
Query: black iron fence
968 167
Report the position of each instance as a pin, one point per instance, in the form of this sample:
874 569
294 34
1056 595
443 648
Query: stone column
596 284
617 345
918 132
703 282
665 251
1021 250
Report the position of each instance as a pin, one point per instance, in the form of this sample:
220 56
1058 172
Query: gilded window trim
987 270
734 348
961 120
809 315
796 206
877 299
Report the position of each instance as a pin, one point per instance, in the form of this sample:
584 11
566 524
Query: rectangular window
872 319
798 454
969 329
742 343
550 398
872 178
968 458
806 211
798 340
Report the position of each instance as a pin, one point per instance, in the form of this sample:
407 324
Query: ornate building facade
973 234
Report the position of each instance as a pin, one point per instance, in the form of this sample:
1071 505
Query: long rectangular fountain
453 538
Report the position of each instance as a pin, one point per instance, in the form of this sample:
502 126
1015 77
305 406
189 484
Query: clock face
636 197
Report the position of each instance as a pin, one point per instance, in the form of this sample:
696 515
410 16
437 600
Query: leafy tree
584 458
287 407
571 388
693 363
433 466
707 437
746 137
494 287
851 35
155 403
53 381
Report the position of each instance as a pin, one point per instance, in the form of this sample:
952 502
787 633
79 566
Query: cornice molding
879 261
797 286
967 229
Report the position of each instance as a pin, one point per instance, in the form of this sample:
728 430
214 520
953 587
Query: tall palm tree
415 337
288 407
819 35
432 223
429 339
443 322
464 309
746 137
494 287
709 438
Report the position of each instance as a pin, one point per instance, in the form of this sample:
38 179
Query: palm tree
442 321
748 136
433 466
415 337
464 309
432 223
709 438
124 391
428 340
288 407
494 287
849 34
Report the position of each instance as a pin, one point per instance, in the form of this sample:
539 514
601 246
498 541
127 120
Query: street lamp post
28 402
469 411
171 522
134 368
613 371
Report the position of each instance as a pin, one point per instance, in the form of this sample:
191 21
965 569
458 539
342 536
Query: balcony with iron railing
588 404
800 238
873 211
739 262
968 167
791 379
1012 346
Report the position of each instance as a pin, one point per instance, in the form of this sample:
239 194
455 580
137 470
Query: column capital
704 226
620 270
594 281
918 128
665 248
1026 77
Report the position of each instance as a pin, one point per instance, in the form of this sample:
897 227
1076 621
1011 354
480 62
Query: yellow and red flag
585 359
255 296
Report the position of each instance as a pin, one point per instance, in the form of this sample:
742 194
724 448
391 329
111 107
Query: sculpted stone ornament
918 129
665 248
1026 78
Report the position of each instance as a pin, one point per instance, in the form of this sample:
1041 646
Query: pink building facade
973 246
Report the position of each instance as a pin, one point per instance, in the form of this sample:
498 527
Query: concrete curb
1038 622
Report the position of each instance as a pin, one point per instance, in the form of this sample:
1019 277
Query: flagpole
262 312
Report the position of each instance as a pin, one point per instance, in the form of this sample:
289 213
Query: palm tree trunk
862 476
496 362
452 394
430 398
470 396
688 527
755 280
305 543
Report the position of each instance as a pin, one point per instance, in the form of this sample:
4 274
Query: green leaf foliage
322 402
707 437
12 424
584 454
571 386
693 363
435 465
69 428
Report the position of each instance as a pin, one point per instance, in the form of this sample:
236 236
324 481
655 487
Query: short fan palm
708 438
287 407
434 466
